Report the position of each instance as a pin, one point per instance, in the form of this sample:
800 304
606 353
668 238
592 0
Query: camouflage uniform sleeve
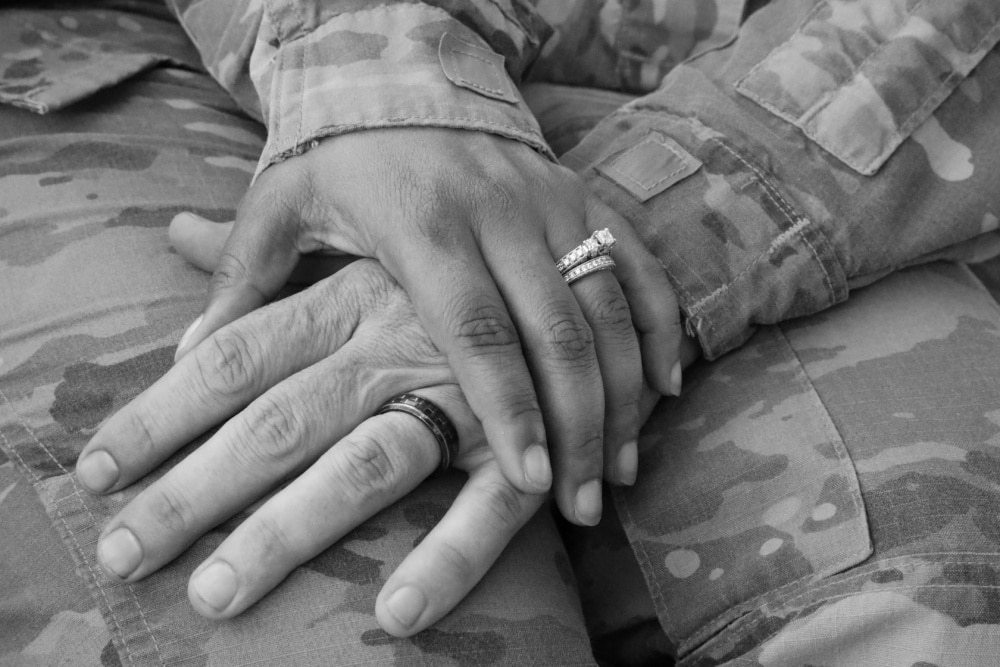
311 69
830 144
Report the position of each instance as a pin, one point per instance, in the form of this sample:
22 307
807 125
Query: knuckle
431 226
496 192
226 365
230 271
568 339
370 277
272 434
142 427
521 407
171 510
502 504
432 202
623 417
483 327
272 541
365 467
589 445
368 288
456 563
611 312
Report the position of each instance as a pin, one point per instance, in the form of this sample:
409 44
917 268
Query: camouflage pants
827 494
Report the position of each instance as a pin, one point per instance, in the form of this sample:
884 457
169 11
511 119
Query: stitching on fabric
898 135
474 55
990 34
776 243
645 562
654 185
93 519
914 119
843 455
825 98
694 317
909 565
301 76
521 133
755 623
733 615
798 32
62 519
797 223
751 624
473 84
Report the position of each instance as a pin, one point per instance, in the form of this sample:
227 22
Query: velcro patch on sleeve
475 68
650 167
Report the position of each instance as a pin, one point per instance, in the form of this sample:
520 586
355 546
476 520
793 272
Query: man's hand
297 382
471 226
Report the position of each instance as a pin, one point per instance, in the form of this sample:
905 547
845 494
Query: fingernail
216 585
675 379
120 552
536 467
406 605
187 337
627 463
97 471
588 503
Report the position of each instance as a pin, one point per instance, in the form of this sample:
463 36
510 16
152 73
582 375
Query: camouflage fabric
50 59
94 302
823 495
777 223
767 225
906 373
311 69
858 84
629 45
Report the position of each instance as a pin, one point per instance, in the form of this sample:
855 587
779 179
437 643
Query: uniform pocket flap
475 68
650 167
859 76
746 488
52 58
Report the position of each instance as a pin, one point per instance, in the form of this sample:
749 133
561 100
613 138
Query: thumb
197 240
255 262
200 242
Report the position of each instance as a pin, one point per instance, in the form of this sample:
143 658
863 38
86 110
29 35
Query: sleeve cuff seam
299 146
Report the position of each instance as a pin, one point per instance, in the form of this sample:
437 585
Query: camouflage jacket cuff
405 65
736 247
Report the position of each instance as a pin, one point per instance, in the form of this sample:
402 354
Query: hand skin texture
297 381
470 225
285 405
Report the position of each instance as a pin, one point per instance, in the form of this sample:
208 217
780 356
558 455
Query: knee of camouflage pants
94 302
828 494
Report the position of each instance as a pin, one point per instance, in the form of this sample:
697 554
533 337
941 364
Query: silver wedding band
601 263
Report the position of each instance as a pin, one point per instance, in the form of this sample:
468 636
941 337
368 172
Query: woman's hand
298 382
471 225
